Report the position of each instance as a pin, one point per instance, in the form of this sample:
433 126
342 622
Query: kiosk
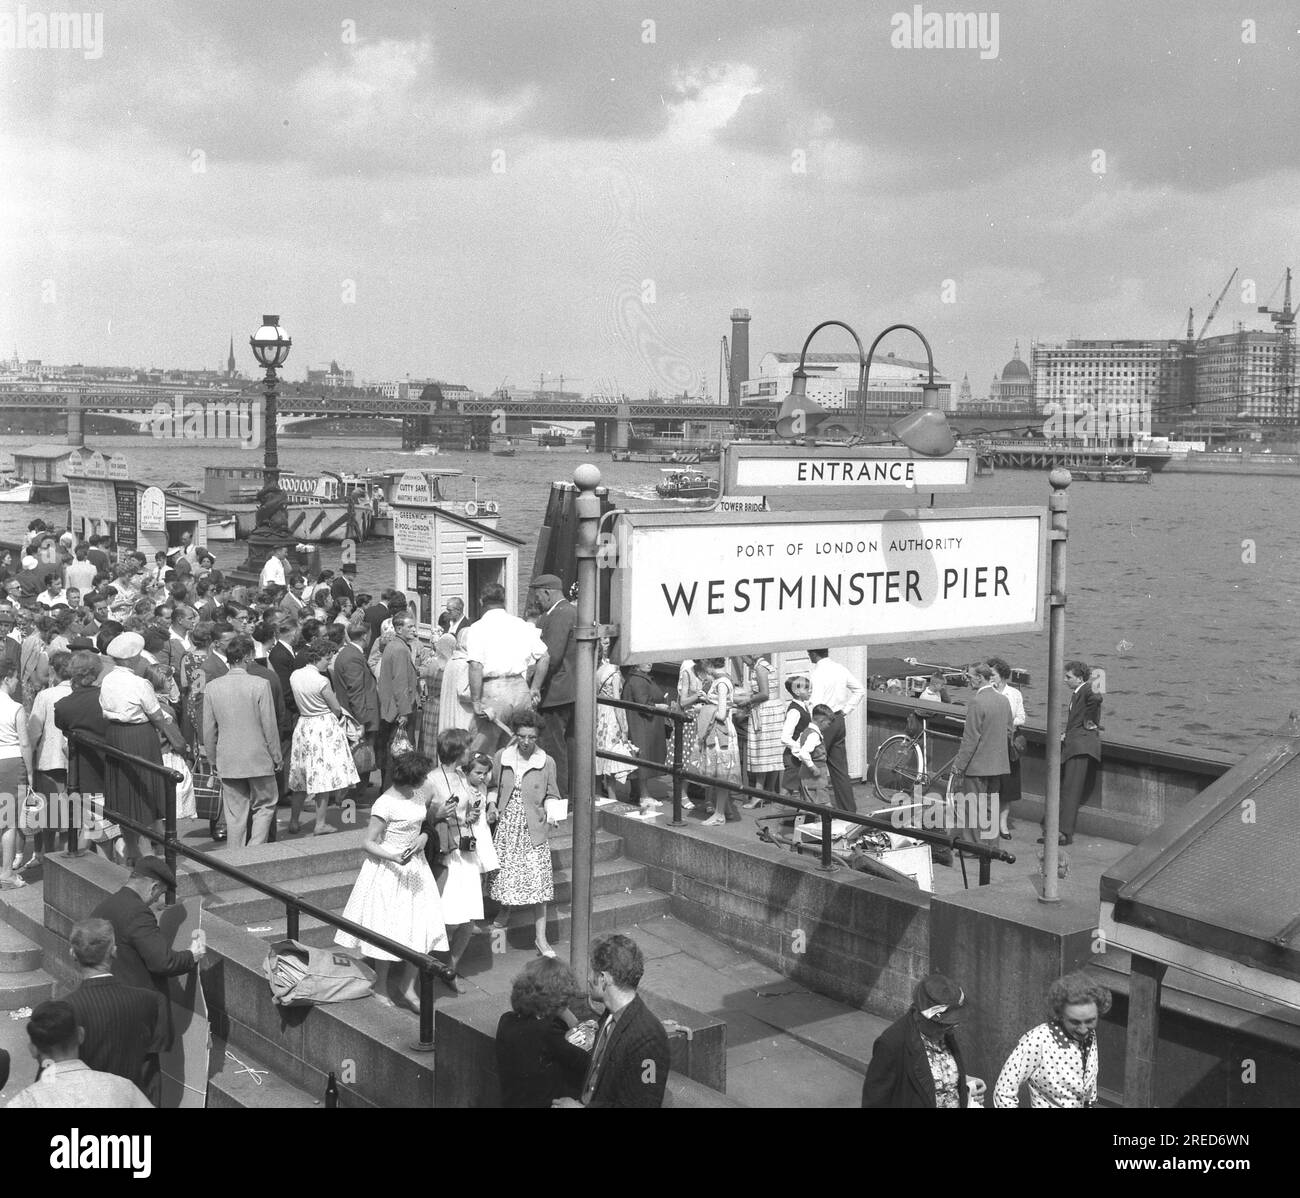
439 554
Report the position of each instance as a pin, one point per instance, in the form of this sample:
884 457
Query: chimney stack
739 353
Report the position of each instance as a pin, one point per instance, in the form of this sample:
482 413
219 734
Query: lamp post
271 349
925 431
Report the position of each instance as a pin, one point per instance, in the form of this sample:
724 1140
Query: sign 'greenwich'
823 471
753 582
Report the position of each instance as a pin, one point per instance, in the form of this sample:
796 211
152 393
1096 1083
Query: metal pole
678 784
1059 505
270 441
169 835
587 507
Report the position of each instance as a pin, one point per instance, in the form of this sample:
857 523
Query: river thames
1198 641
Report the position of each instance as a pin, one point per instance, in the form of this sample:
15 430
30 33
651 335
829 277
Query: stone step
231 1087
608 846
608 911
279 863
17 953
609 877
244 905
25 989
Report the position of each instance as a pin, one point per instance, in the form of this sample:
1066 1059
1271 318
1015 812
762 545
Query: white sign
762 469
412 487
413 533
75 463
751 503
117 467
689 584
91 499
153 510
94 465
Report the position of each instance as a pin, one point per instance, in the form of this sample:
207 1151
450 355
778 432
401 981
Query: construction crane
724 372
1215 309
573 378
1284 319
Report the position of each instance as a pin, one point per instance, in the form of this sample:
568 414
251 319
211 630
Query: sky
483 192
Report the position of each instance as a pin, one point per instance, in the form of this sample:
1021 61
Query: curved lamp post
925 431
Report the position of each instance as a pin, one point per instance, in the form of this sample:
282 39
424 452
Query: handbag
352 727
363 757
302 976
207 789
185 803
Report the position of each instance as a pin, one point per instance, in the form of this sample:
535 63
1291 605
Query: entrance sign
412 487
413 532
827 471
753 582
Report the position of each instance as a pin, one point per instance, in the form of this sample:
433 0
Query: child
813 774
478 769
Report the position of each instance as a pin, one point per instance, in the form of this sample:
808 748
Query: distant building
335 377
893 383
1014 389
230 360
964 397
1240 376
1119 376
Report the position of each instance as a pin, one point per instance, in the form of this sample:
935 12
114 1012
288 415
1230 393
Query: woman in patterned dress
395 894
716 739
611 726
192 680
766 718
432 665
320 761
525 775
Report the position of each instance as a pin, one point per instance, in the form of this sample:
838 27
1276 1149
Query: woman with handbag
717 744
1010 785
525 774
15 768
320 761
611 726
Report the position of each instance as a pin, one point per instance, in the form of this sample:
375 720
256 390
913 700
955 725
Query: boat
328 507
1110 474
677 457
552 439
18 493
382 483
505 451
426 451
687 484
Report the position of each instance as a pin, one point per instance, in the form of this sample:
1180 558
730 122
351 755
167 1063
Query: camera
467 844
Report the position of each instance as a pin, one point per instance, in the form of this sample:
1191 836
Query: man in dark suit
354 684
983 756
629 1061
282 657
900 1075
553 695
125 1025
284 725
456 610
1080 746
375 615
143 958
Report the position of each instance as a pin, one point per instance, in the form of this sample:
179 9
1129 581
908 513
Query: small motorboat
687 484
16 492
505 451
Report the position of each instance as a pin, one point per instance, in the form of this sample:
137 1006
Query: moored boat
17 493
1110 474
687 484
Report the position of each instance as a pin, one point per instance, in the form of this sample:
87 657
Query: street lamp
925 431
271 349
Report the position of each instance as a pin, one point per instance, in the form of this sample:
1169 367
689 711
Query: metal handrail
294 906
985 853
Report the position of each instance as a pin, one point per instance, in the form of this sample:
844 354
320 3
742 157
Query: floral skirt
524 875
321 759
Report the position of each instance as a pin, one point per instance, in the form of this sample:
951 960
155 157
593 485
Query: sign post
1060 505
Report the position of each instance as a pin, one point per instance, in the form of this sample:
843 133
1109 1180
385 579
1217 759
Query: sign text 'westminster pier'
849 472
688 584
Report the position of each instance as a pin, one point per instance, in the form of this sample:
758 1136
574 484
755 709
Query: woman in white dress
320 761
766 719
395 894
454 707
461 821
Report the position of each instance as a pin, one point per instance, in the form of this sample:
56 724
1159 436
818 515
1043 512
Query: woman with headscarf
431 666
916 1062
455 709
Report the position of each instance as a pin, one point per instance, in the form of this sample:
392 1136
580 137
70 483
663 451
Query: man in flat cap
553 694
143 957
916 1062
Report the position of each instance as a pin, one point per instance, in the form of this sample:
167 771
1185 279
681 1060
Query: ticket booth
440 554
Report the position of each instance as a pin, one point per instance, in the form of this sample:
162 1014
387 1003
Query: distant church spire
230 361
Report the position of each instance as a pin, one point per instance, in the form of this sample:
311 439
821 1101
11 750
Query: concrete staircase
23 980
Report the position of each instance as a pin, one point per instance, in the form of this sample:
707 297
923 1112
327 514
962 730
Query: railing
294 906
986 854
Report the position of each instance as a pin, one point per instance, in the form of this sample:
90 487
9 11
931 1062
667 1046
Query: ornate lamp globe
270 343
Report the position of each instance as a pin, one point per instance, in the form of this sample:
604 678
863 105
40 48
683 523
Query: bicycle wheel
898 767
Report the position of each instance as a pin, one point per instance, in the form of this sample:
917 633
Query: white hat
30 563
125 646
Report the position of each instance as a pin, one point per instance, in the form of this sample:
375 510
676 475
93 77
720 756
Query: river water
1199 643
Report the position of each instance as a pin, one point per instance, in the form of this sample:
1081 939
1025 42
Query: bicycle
902 764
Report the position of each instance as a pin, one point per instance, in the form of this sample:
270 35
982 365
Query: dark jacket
983 750
284 662
355 686
81 712
283 723
123 1025
144 958
899 1074
557 627
634 1070
537 785
1080 739
535 1063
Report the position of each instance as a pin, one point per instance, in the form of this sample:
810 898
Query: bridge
420 419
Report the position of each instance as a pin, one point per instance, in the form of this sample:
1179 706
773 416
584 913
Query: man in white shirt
67 1082
503 651
834 686
274 570
81 573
